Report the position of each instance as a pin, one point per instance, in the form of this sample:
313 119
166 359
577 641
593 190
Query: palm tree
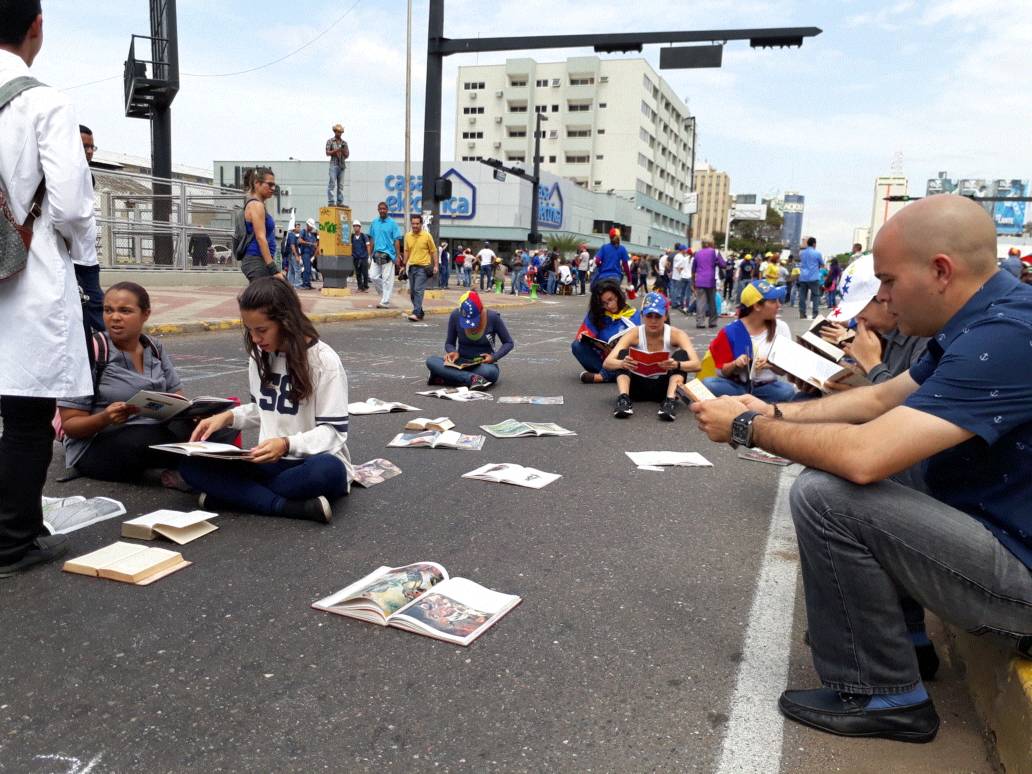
562 243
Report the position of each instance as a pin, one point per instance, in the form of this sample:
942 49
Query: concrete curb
232 323
1001 689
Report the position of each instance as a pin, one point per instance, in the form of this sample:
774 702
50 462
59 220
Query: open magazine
421 598
163 406
650 460
377 406
513 428
457 393
510 473
62 515
221 451
533 400
375 472
431 439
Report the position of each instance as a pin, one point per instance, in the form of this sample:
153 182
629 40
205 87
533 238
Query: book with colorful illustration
513 428
431 439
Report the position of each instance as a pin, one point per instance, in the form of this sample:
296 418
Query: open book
377 406
648 363
457 393
422 423
222 451
431 439
128 563
696 390
602 345
177 526
513 428
510 473
812 339
62 515
810 367
421 598
462 365
533 400
166 405
651 460
375 472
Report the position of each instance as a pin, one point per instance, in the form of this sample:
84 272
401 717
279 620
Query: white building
862 237
612 126
881 210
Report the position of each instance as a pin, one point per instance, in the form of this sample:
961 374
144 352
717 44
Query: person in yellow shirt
419 259
771 270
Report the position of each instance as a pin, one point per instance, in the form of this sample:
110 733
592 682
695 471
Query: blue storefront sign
1009 216
461 206
550 206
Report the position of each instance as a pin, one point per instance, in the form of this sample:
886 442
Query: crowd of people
916 488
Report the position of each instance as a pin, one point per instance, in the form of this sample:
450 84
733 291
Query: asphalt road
623 657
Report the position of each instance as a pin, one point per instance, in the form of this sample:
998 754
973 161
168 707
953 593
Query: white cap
311 222
356 223
858 286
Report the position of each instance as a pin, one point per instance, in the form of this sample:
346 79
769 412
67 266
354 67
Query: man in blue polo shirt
810 264
386 237
918 487
612 260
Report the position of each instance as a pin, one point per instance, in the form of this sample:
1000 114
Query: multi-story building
862 237
610 125
714 191
885 187
792 225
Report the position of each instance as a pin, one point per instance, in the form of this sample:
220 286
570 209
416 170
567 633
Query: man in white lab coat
42 349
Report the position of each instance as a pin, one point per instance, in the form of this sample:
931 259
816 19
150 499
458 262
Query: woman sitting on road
655 334
105 437
740 350
470 356
609 317
301 462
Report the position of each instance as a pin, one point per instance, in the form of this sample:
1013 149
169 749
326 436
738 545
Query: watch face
739 433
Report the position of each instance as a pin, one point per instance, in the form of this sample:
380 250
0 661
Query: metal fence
128 236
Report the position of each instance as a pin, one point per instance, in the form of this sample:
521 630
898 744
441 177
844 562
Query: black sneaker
45 548
667 410
478 382
316 509
624 407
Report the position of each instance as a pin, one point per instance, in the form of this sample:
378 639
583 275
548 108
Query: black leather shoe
847 715
46 548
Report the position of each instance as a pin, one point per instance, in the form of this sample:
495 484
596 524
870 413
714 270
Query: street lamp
534 237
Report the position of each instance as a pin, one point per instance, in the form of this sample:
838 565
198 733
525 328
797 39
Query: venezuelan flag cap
471 309
761 290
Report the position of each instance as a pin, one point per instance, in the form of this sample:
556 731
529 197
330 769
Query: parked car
222 254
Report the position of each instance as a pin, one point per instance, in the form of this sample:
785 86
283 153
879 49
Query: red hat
614 232
1014 251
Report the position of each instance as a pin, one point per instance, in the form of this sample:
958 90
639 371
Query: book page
533 400
384 591
548 428
413 439
375 472
510 473
138 566
203 449
509 428
377 406
168 518
680 459
74 513
89 564
158 405
457 611
820 345
801 362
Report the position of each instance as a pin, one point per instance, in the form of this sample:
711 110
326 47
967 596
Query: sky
937 84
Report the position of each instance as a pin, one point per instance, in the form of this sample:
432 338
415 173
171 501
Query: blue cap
654 303
761 290
470 309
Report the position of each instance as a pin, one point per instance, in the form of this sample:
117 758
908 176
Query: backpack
16 237
241 239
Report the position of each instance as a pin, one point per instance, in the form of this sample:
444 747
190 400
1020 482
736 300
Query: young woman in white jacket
299 402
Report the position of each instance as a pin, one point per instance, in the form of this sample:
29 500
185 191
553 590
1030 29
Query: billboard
1009 216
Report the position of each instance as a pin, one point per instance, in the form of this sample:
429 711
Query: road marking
755 729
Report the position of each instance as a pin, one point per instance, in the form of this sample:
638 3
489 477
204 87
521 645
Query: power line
298 50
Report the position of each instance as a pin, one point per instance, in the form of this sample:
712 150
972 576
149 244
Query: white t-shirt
761 348
681 267
583 260
565 276
486 257
662 264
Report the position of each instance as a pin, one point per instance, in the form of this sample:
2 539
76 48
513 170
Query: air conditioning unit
472 119
499 93
603 79
498 145
471 144
472 95
555 83
498 119
553 134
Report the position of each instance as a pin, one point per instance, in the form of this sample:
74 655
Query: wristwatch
742 429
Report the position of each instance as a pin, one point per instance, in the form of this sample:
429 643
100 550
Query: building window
517 83
643 160
473 111
517 108
555 108
578 133
515 156
582 81
473 85
551 159
517 133
601 105
540 108
646 83
600 131
599 157
472 135
598 182
541 82
577 158
578 107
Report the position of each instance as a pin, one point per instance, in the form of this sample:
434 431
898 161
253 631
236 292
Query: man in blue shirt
919 487
810 264
386 236
360 249
308 242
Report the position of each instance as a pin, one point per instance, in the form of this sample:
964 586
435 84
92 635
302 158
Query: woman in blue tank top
258 260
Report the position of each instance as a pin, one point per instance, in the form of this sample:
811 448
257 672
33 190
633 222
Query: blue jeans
467 276
813 288
265 489
769 392
461 378
486 277
832 299
442 281
306 269
676 293
552 277
88 278
335 187
591 360
419 278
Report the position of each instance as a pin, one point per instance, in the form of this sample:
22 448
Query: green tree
562 243
757 236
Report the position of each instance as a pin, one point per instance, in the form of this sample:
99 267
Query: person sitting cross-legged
609 317
655 334
917 487
471 359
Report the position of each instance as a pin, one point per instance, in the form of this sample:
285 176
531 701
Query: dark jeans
265 489
254 267
591 359
362 273
814 289
418 279
122 453
26 447
864 548
88 278
461 377
706 306
445 272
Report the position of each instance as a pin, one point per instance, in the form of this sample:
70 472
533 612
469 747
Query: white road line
755 729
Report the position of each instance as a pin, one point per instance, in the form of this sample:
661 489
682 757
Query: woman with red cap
471 359
612 260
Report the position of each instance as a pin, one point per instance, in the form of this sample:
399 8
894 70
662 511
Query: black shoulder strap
8 92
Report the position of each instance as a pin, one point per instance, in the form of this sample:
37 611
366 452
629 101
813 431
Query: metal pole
536 186
432 115
691 184
408 119
727 231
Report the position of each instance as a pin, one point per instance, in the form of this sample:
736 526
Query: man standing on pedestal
337 150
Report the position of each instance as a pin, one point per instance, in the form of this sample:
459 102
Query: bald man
916 487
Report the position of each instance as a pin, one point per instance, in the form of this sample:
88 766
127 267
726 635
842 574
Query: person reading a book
739 351
955 533
609 317
640 377
300 406
104 436
471 359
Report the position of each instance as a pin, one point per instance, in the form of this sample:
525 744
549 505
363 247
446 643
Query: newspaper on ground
650 460
457 393
62 515
375 472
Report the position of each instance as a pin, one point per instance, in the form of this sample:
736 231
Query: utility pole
534 238
408 121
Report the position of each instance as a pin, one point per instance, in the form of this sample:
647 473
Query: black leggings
26 446
122 454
